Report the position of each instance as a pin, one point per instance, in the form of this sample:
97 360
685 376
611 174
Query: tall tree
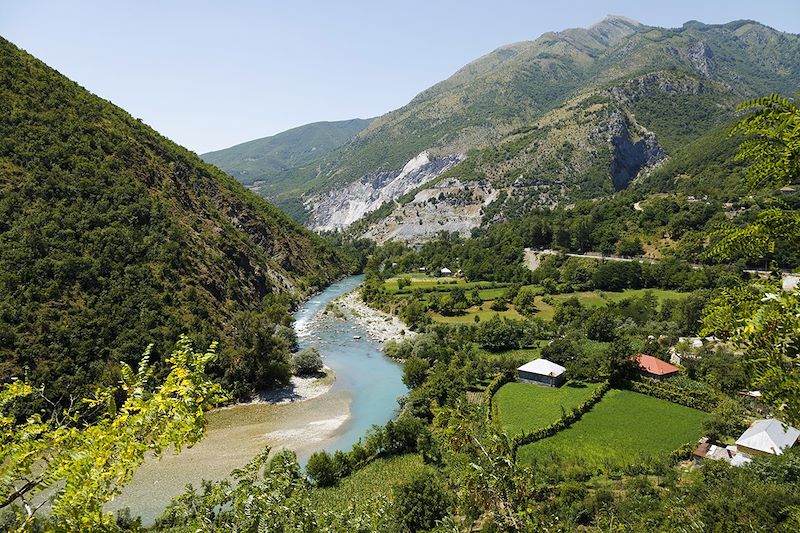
761 319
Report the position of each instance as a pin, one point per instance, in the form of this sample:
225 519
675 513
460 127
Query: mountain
112 237
571 115
268 159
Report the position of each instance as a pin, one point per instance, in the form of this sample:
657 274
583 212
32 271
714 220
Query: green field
523 406
376 479
624 427
520 356
483 312
489 292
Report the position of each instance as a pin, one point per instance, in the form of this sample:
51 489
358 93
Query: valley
556 291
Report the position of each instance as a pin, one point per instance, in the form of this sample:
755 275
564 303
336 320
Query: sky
209 75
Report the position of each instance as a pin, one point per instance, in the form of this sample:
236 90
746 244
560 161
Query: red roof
655 366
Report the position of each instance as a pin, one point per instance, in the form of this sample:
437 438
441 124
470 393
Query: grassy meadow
622 428
524 406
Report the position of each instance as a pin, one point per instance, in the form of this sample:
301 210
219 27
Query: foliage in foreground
86 464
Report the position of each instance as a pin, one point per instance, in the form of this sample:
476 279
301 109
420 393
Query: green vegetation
374 481
269 161
113 238
525 407
85 463
624 427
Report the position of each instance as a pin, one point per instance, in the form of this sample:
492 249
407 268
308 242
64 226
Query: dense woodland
113 238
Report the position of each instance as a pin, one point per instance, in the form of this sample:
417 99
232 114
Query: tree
601 325
525 302
415 370
307 361
772 144
421 502
764 322
760 319
568 311
728 418
619 364
630 247
500 304
321 469
87 462
415 314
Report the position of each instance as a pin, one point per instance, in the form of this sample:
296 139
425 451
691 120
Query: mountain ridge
530 117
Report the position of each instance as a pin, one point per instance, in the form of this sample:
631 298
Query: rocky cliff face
633 151
339 208
451 205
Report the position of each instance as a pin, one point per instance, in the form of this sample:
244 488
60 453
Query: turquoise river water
365 393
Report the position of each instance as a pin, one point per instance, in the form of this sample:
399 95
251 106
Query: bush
421 502
321 469
307 361
415 370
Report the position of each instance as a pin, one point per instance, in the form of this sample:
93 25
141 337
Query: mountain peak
617 19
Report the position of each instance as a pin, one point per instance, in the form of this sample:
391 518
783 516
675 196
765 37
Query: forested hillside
112 237
266 162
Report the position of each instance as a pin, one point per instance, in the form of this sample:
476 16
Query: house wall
657 377
750 451
530 377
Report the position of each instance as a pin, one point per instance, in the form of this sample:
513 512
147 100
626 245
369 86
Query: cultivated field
490 291
622 428
523 406
374 480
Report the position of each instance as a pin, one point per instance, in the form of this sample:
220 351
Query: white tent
446 271
768 436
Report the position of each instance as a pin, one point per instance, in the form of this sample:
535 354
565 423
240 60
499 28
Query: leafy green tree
728 418
525 302
415 314
421 502
619 364
601 325
307 361
762 320
86 463
772 144
415 370
630 247
568 311
500 304
321 469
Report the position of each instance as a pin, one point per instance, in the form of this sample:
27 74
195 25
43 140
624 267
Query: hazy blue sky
212 74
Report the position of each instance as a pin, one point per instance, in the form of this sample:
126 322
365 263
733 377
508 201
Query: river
365 393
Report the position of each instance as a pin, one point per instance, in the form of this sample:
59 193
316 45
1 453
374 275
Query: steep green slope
268 159
113 237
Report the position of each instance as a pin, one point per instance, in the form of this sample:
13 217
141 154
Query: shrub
307 361
421 502
321 469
